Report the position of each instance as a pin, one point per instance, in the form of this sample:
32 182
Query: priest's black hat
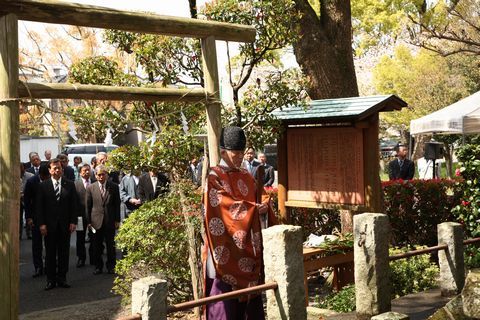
233 138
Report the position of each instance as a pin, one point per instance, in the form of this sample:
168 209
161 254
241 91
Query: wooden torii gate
52 11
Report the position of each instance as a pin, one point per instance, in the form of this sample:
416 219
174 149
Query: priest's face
233 158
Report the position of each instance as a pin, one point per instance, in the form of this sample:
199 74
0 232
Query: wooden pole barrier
212 87
100 17
9 168
97 92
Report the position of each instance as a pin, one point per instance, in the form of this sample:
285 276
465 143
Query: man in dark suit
81 186
68 171
28 164
24 176
29 197
401 168
250 163
103 214
34 163
269 176
57 217
151 185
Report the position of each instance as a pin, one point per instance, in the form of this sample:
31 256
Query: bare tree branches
454 30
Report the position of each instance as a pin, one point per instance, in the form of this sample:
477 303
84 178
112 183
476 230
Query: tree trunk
448 159
238 109
419 146
324 50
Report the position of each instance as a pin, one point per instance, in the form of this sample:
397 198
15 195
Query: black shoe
50 286
111 271
97 271
80 263
63 284
38 272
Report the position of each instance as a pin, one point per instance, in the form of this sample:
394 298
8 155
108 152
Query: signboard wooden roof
328 156
340 110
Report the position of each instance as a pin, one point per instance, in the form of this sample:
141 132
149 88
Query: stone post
372 282
452 270
283 260
149 298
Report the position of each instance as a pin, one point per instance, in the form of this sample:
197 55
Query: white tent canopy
462 117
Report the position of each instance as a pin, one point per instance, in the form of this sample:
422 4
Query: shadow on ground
90 296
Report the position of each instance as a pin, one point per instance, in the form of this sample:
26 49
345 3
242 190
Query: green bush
341 301
412 274
155 241
472 257
415 207
468 209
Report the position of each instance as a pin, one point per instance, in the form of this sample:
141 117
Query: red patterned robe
234 239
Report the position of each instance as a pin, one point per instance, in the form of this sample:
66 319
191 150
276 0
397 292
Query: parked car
86 151
387 149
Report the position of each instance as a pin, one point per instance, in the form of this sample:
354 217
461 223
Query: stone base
471 294
391 316
453 310
314 313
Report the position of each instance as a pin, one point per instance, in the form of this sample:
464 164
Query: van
86 151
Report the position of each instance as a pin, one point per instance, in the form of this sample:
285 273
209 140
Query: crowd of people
58 199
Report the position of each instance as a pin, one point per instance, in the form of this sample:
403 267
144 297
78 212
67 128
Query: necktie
400 163
36 170
57 191
87 183
102 190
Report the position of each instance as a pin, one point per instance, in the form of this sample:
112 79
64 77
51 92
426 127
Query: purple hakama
232 309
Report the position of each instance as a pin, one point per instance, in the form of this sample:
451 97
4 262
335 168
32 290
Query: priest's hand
262 208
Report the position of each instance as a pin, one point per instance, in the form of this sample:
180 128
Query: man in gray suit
103 214
129 192
81 186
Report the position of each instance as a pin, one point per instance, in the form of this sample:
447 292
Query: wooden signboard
325 165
